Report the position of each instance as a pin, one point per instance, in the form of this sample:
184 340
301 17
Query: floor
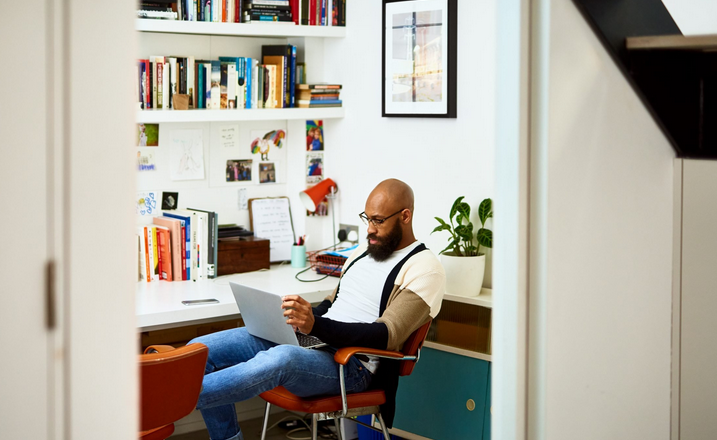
252 430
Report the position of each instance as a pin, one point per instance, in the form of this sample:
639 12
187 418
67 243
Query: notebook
263 317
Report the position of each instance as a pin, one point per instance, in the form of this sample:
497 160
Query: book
191 90
164 253
215 94
192 240
172 79
319 86
187 228
143 261
294 5
248 80
208 85
223 84
154 245
278 78
201 96
174 227
261 18
270 86
165 85
288 52
212 246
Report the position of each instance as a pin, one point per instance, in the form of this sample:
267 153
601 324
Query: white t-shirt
359 297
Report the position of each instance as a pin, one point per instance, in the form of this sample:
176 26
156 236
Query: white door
26 374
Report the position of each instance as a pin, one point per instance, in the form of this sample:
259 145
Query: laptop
263 317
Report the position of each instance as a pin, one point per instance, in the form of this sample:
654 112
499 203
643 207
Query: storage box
242 254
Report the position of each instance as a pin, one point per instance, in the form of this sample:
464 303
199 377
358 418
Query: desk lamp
311 197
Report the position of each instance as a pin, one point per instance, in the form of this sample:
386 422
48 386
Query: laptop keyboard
307 340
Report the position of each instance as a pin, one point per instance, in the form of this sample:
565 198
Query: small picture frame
419 58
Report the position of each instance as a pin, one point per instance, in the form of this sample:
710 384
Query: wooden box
242 254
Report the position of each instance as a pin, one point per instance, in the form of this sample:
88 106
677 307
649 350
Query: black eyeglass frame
377 222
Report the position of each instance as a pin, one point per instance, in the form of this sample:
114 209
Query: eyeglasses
376 222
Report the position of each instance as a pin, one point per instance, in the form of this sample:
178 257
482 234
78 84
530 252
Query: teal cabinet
447 397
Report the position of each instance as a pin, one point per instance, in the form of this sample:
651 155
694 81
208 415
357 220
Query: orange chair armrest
159 348
343 355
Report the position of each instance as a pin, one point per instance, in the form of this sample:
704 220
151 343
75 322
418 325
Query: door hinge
50 294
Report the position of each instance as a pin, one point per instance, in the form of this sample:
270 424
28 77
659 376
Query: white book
216 11
190 81
208 85
216 77
231 85
141 256
172 78
165 86
254 83
202 243
136 86
329 14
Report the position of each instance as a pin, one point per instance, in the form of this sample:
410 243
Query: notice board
271 218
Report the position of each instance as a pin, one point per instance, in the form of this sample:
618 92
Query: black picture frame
413 105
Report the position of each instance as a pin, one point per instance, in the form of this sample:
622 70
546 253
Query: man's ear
406 216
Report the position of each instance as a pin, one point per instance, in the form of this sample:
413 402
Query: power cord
333 271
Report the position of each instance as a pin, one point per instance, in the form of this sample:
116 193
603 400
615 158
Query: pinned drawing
146 203
262 144
186 155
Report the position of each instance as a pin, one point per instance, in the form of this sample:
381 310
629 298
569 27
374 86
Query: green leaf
464 212
485 210
443 227
454 208
485 237
440 220
452 246
465 233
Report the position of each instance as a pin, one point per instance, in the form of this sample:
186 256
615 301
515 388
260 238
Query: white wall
693 17
601 234
440 158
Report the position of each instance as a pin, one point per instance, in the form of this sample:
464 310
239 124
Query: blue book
292 78
187 237
248 81
200 85
324 101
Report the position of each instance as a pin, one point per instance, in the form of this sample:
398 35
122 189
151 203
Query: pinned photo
170 200
239 170
147 135
267 173
145 161
314 168
314 135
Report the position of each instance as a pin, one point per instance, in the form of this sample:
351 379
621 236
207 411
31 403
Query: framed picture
419 58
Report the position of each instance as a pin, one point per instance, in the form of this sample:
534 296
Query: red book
294 4
312 12
237 11
147 84
184 254
165 254
146 254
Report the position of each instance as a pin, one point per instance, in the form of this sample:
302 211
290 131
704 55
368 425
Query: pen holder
298 256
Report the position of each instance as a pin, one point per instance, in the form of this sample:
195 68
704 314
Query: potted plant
462 258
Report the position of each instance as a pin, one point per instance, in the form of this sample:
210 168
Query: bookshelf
204 115
239 29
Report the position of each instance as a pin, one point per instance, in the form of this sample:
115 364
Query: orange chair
348 405
171 380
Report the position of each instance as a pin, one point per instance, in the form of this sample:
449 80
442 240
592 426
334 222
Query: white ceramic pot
464 275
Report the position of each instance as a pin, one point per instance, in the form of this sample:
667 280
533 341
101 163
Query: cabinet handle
470 404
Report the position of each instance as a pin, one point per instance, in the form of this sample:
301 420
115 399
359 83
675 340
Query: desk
159 303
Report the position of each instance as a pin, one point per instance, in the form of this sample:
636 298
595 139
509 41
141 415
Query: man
389 288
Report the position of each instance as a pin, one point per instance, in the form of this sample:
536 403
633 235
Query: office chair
171 380
348 405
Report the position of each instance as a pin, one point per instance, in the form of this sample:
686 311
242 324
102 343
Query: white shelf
485 299
238 29
203 115
456 350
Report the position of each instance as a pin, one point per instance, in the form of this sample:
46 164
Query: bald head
393 194
391 202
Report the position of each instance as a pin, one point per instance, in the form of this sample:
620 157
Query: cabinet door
432 402
25 369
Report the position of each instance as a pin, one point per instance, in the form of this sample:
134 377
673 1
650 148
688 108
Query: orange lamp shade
311 197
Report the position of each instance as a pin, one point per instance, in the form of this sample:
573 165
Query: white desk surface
159 303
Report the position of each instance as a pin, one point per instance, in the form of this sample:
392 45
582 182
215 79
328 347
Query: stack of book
179 245
219 11
267 11
226 83
319 95
163 9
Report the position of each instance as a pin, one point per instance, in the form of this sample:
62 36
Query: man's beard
385 246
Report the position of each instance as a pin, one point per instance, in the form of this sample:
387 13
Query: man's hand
298 312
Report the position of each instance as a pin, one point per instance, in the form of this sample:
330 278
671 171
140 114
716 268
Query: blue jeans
241 366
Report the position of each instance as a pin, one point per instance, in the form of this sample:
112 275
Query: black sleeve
350 334
322 308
